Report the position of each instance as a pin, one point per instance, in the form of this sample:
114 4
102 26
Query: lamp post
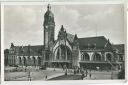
29 76
112 73
66 71
54 67
112 68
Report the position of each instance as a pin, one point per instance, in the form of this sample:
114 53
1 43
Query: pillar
59 53
66 54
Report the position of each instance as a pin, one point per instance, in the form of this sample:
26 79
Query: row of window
96 57
10 60
28 61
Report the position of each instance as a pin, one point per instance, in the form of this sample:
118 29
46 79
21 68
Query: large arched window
85 57
97 57
63 53
109 57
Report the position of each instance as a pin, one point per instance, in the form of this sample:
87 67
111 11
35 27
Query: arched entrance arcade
62 56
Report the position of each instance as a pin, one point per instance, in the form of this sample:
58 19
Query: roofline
92 37
27 45
118 44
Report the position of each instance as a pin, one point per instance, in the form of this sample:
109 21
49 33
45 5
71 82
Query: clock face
46 28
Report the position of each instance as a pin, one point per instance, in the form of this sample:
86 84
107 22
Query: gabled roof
6 51
70 37
119 47
29 50
98 41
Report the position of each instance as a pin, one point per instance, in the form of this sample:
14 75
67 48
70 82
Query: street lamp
29 76
112 73
66 71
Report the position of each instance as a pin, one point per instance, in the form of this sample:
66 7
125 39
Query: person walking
66 71
90 75
54 68
46 77
82 76
86 72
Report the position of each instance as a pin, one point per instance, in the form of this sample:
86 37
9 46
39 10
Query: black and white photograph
0 43
51 42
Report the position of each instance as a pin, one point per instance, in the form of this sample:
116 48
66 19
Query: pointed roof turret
62 28
12 45
49 16
75 37
49 7
49 12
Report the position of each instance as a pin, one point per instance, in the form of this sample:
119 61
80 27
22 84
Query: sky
23 24
61 0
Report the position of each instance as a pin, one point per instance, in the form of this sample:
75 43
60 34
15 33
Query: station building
67 50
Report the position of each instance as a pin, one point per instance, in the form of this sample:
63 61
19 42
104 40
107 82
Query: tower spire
49 27
48 7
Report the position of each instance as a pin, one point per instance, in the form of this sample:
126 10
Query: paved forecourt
34 74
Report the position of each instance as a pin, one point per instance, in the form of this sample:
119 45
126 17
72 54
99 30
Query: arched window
58 54
63 52
39 61
47 56
28 61
20 61
86 57
109 57
120 57
24 61
97 57
34 61
69 54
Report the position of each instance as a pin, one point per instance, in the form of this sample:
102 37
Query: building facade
67 50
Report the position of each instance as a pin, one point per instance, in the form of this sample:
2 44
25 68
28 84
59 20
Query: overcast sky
24 23
61 0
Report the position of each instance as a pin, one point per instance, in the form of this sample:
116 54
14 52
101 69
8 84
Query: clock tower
49 27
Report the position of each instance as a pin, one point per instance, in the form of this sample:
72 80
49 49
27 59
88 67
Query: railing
58 61
94 50
86 61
